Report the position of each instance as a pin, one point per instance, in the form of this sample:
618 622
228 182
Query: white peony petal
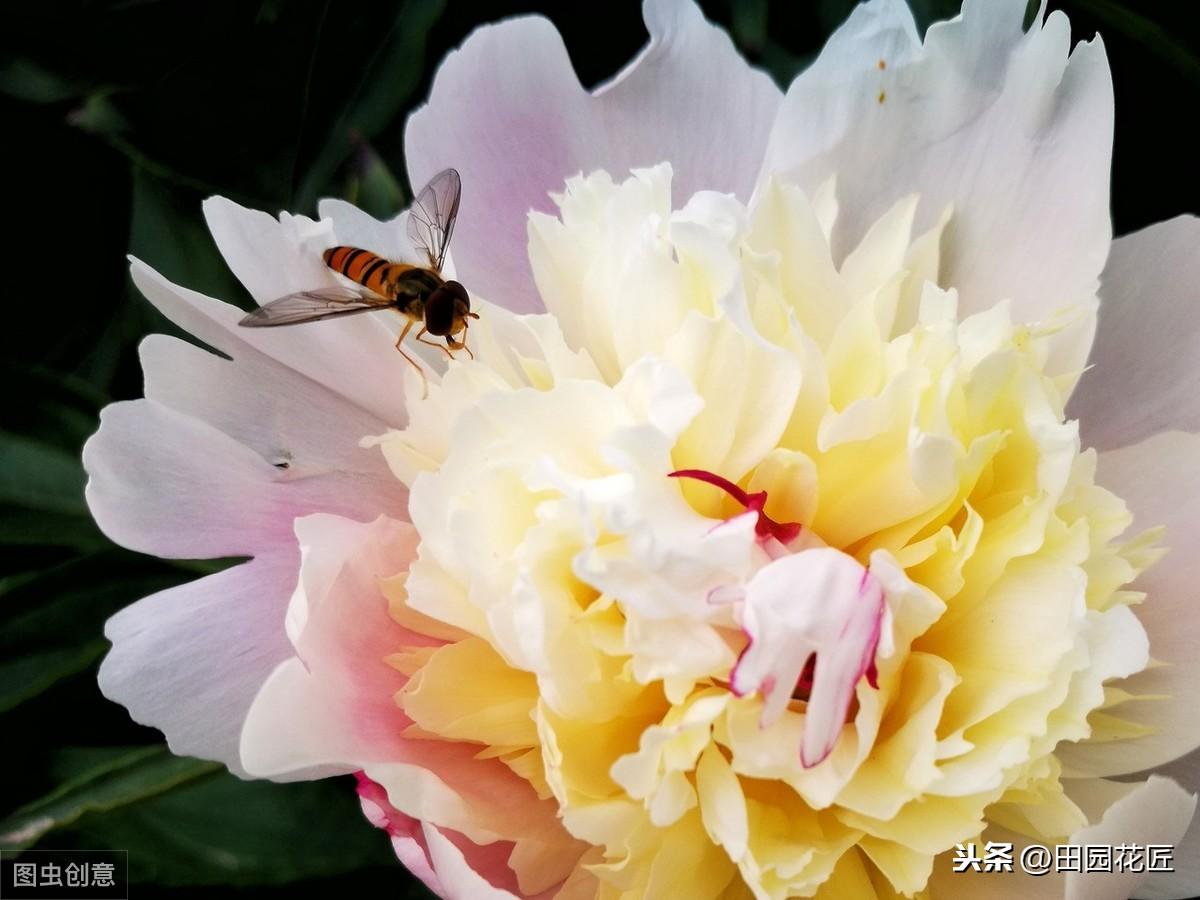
273 258
1185 880
355 228
189 660
355 363
509 93
1155 812
1151 812
982 118
1160 481
270 257
1148 341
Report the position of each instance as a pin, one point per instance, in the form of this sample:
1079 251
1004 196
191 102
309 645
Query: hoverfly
419 293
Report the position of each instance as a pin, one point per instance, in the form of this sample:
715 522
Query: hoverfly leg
421 337
474 316
460 345
412 362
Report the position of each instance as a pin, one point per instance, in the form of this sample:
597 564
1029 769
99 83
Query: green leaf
1149 33
169 233
53 619
28 675
389 79
65 410
832 13
69 763
121 779
749 22
220 830
26 80
38 476
373 188
99 116
19 527
782 64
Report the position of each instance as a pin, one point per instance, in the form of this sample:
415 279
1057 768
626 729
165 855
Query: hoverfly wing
312 306
431 219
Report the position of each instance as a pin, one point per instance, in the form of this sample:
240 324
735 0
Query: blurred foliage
126 113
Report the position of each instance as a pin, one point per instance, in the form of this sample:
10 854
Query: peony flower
817 499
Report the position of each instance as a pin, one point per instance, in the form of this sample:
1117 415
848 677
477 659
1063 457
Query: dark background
118 118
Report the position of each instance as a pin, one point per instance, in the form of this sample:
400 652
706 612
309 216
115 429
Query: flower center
785 533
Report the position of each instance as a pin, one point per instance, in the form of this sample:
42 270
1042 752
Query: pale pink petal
218 463
510 94
408 839
359 366
1145 364
446 785
458 879
162 482
817 601
485 865
226 454
487 862
190 660
331 708
1155 812
981 117
301 428
1160 480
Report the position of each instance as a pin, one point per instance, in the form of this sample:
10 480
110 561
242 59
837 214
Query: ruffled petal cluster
951 538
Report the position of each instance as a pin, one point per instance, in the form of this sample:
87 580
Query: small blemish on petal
882 96
882 64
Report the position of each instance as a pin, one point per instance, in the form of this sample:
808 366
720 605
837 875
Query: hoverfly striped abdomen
362 266
421 294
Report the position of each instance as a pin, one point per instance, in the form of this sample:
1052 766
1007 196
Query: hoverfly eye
461 293
439 312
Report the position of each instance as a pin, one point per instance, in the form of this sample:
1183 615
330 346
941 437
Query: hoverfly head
447 310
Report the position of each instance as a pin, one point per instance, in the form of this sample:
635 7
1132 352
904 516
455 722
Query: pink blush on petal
408 839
